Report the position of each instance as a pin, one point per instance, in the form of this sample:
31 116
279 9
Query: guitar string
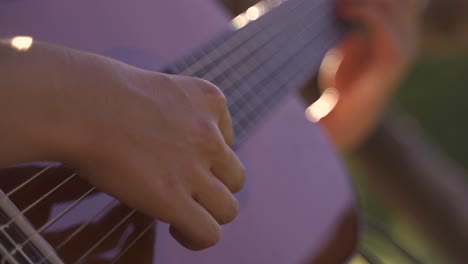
61 184
21 213
78 230
105 236
240 96
257 95
249 46
53 190
227 82
89 251
244 70
197 64
306 62
84 225
35 176
119 224
252 43
12 252
194 66
38 232
237 39
66 210
122 253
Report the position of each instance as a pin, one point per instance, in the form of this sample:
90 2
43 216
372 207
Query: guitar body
297 206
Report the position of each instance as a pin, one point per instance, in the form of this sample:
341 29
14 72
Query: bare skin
160 143
376 57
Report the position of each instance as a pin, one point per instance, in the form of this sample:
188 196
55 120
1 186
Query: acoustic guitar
298 205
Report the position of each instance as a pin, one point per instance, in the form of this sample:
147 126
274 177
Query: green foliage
436 94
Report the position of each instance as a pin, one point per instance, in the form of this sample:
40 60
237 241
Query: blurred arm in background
376 55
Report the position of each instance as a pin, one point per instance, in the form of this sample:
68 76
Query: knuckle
220 101
210 141
215 95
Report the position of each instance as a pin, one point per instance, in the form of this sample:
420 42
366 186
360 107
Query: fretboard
261 63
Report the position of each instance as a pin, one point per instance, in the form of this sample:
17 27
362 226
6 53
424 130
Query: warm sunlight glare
22 43
331 62
323 106
240 21
255 12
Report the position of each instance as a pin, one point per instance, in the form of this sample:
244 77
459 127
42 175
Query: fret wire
243 52
262 23
113 230
235 100
247 68
265 37
42 198
12 252
304 63
224 63
57 217
32 205
8 236
304 69
299 74
244 71
226 46
37 233
92 189
269 52
251 122
236 121
93 247
243 65
152 223
214 56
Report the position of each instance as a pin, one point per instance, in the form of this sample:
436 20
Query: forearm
156 142
25 77
37 87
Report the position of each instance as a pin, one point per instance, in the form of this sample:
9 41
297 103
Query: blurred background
410 175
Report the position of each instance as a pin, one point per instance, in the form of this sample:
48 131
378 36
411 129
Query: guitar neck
260 63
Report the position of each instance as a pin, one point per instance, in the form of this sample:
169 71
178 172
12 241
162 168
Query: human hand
157 142
372 60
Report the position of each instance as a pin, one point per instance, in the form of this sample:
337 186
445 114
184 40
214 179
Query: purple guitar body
298 205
